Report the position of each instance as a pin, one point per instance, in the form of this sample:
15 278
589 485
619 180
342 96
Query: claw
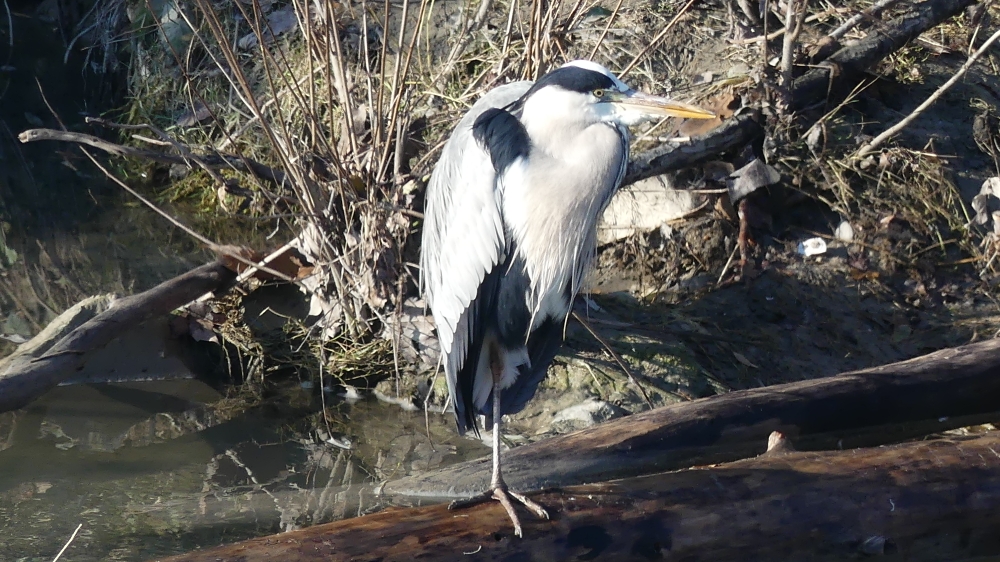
538 510
503 495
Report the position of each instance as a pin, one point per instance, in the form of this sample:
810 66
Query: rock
844 232
750 178
644 205
585 414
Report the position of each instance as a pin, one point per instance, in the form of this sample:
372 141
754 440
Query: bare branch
849 64
871 12
216 161
795 14
734 133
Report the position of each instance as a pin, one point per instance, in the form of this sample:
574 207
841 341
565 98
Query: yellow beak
661 107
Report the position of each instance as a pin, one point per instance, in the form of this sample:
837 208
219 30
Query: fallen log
871 406
929 500
26 376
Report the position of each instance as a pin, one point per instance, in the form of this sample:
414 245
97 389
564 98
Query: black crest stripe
573 78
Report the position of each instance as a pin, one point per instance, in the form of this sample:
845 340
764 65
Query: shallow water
65 231
89 454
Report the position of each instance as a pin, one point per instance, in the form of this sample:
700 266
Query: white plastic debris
812 247
844 232
339 442
986 201
14 338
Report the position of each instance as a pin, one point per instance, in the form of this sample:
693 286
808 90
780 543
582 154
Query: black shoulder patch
503 136
573 78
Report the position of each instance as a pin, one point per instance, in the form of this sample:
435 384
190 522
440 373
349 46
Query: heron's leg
498 488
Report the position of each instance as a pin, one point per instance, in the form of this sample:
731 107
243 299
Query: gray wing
463 234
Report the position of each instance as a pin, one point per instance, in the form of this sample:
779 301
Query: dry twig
69 542
656 40
871 12
775 34
220 161
795 14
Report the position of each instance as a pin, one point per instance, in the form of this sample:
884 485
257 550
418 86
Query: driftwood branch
214 161
733 134
841 72
929 500
847 66
860 408
25 377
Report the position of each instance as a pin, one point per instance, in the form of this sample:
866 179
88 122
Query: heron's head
587 92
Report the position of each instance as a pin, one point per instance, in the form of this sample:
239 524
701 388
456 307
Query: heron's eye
599 93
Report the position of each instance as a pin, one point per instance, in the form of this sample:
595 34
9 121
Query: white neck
554 118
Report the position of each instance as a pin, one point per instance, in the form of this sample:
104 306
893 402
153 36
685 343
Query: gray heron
511 216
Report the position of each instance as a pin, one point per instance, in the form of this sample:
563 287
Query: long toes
532 506
502 496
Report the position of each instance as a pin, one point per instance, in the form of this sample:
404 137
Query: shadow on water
162 466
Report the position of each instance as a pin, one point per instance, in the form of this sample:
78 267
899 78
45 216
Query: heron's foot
503 495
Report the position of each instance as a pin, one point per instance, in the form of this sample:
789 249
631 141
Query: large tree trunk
871 406
930 500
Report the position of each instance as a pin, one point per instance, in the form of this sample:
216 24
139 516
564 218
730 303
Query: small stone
844 232
586 414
